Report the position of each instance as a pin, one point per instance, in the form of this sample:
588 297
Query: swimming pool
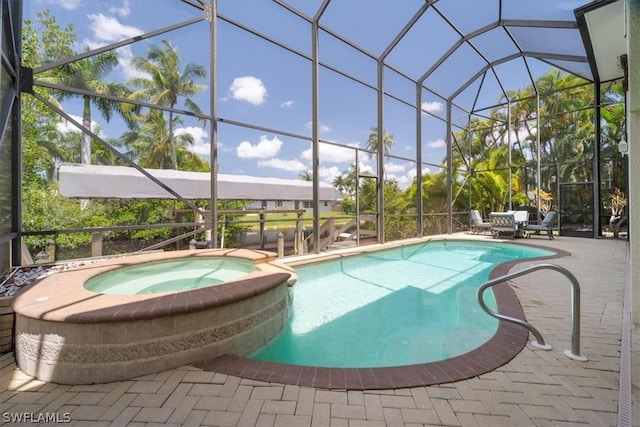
408 305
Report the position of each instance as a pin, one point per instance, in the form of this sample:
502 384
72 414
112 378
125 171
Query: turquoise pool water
167 276
409 305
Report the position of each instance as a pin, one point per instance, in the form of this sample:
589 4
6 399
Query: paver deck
536 388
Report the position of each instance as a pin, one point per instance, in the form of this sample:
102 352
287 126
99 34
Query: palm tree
613 132
149 143
56 147
166 83
481 165
346 181
373 143
66 147
340 184
306 176
89 74
148 140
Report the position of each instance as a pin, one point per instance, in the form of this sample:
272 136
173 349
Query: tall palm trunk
85 148
85 144
172 142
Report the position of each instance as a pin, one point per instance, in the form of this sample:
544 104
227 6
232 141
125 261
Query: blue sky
266 85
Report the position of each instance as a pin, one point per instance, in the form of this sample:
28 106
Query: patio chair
477 223
545 225
503 222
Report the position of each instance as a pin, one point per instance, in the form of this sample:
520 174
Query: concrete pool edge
507 342
67 334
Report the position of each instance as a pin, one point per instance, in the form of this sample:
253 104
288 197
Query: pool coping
507 342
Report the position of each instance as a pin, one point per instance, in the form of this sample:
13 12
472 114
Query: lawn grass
288 220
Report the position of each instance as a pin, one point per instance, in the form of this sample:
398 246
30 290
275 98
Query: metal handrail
574 353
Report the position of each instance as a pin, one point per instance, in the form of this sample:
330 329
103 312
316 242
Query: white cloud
66 4
264 149
64 126
249 89
438 143
288 165
287 104
331 153
123 10
321 127
403 177
201 145
432 107
394 168
411 173
404 181
328 174
107 29
125 56
365 168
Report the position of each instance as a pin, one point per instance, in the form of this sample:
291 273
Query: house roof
104 182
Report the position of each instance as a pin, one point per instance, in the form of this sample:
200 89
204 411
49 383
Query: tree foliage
46 144
167 84
89 74
373 142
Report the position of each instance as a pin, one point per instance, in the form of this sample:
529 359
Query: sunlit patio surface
537 388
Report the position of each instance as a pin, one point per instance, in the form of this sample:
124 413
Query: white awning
122 182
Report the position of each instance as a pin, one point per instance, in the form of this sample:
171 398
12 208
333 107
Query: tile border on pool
507 342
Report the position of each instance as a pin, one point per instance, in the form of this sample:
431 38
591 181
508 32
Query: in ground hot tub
147 313
170 275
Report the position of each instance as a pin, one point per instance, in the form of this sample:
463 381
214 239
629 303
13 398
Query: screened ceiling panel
469 15
283 26
514 75
495 44
428 40
469 97
486 93
457 69
340 55
560 41
538 67
548 10
378 22
453 42
581 69
306 7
